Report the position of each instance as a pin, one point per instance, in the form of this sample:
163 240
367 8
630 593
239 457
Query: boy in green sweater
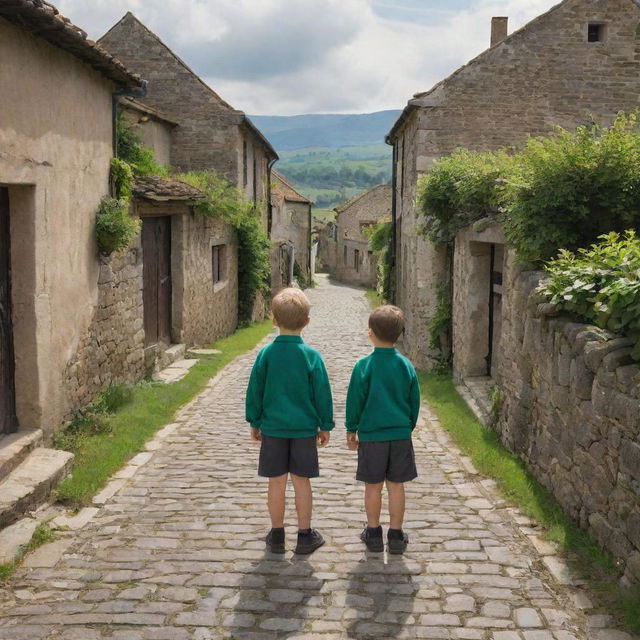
383 402
290 410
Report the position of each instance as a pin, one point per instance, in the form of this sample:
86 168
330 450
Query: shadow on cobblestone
380 597
279 606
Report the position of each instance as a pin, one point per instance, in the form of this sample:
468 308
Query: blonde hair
387 323
291 309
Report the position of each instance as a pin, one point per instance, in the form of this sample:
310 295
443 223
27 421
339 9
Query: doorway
156 250
8 420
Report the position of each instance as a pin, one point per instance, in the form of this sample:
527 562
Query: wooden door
156 251
8 421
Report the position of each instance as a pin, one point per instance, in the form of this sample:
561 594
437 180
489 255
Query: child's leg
396 504
304 500
276 500
373 503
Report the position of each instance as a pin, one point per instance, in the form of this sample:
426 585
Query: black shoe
397 541
308 541
275 540
372 537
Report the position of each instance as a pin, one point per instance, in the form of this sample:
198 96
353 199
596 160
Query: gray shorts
288 455
391 460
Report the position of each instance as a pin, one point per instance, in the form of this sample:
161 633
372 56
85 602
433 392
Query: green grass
374 298
151 406
41 535
492 459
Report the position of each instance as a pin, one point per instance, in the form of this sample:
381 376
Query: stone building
212 134
290 230
575 64
344 246
56 138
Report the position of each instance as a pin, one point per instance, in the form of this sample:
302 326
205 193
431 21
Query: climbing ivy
380 236
439 326
122 178
115 227
131 150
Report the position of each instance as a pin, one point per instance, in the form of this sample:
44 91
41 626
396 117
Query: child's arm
414 398
322 396
255 391
356 396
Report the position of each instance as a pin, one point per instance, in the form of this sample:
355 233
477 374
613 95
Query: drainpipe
135 92
309 243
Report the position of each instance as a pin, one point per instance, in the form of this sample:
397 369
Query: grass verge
491 458
148 406
41 535
374 298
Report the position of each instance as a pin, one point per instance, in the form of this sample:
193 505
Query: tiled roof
45 21
283 189
163 189
345 205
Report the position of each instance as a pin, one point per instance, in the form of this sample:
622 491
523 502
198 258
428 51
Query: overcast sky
285 57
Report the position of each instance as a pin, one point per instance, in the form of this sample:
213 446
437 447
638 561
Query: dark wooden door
8 421
156 250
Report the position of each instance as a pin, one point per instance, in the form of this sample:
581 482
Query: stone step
15 447
31 482
175 372
199 353
171 354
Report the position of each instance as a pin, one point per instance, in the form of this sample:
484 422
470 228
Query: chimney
499 30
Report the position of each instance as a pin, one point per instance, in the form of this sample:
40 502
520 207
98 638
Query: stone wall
544 75
570 406
112 350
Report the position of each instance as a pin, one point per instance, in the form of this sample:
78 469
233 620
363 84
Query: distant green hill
326 130
331 158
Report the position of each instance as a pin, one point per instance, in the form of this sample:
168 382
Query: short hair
291 309
387 322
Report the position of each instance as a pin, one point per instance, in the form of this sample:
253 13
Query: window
596 32
356 259
245 168
344 259
217 262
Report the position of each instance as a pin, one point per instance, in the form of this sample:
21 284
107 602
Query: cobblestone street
177 552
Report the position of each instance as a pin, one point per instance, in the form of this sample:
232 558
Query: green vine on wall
380 237
225 202
439 326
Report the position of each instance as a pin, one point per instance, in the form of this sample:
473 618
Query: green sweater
289 394
383 400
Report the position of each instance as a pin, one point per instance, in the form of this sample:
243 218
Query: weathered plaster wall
155 134
55 141
544 76
570 406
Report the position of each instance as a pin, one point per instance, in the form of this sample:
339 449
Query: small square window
596 32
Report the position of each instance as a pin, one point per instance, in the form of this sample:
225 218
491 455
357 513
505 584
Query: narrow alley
177 552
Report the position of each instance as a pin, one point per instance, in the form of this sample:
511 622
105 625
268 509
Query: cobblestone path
177 554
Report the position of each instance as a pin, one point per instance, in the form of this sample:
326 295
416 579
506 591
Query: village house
291 231
212 135
574 64
56 137
561 395
344 246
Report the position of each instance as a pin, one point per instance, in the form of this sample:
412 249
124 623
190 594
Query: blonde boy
290 410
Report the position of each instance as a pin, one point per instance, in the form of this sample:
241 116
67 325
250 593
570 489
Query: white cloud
304 56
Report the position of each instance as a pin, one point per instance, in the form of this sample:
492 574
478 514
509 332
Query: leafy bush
131 151
380 237
254 247
462 188
439 326
122 177
115 228
601 284
574 187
